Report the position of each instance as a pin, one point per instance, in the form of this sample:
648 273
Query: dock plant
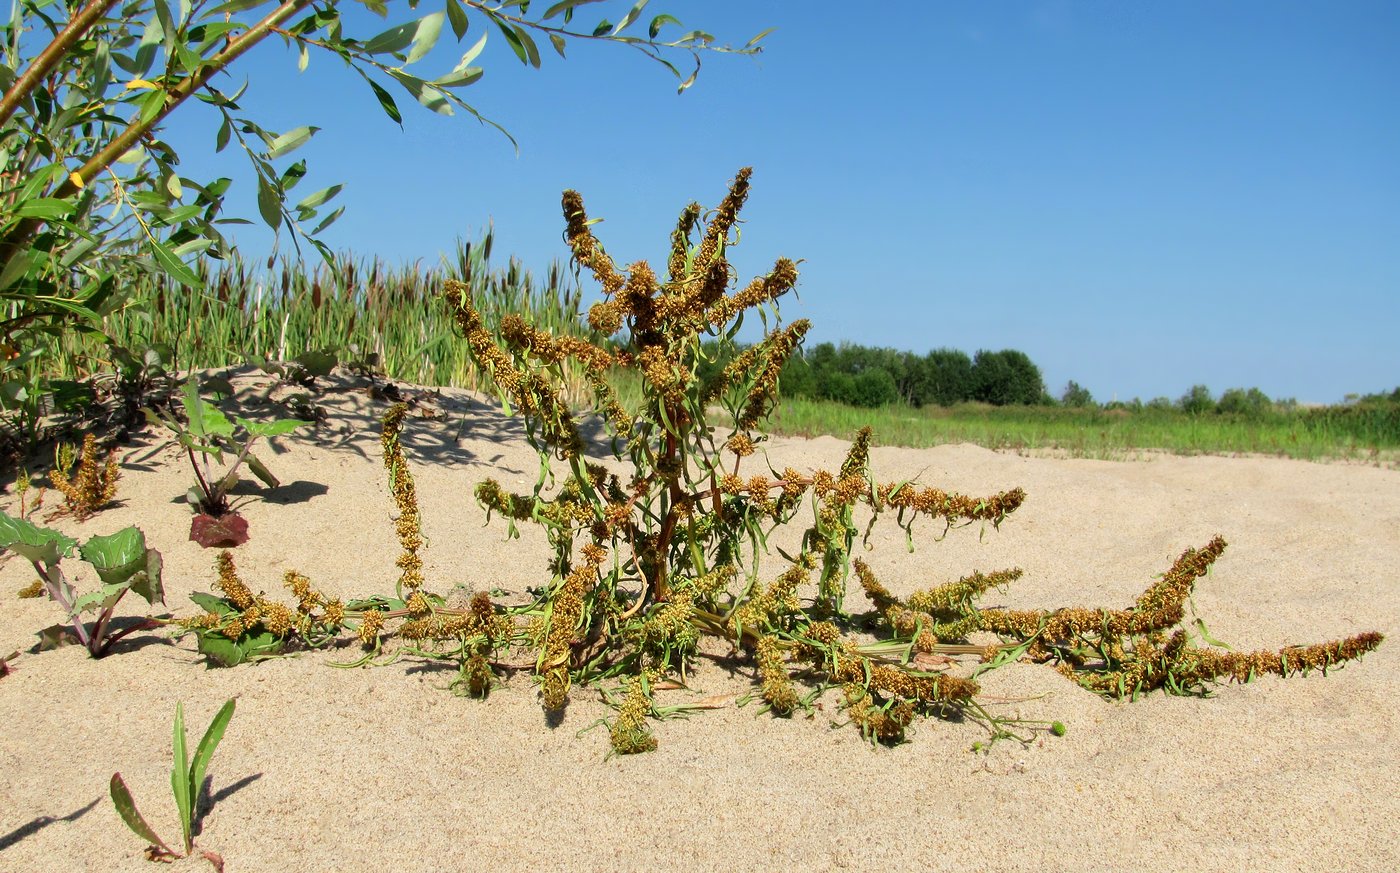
662 540
91 486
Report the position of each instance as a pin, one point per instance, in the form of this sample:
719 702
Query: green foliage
91 196
1076 396
1005 378
122 562
206 435
1196 401
186 777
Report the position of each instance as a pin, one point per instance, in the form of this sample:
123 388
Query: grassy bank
1110 434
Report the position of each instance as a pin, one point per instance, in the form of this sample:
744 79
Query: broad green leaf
532 51
459 78
148 584
116 556
205 420
126 808
426 36
34 543
290 141
151 105
205 750
220 650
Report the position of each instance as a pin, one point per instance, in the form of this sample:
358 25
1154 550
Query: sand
375 769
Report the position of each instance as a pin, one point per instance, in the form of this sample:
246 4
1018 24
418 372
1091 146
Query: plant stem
52 55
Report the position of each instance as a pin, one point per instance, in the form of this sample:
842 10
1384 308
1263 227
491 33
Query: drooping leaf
386 102
126 808
210 603
457 16
271 428
269 203
262 472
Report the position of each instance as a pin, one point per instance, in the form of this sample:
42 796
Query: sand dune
382 768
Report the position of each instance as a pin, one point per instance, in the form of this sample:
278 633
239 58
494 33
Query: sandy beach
382 768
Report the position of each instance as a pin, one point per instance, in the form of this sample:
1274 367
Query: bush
1006 377
1197 401
1076 396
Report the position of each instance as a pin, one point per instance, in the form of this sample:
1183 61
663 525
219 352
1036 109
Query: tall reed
393 311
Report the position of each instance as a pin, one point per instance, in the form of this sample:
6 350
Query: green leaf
180 778
262 472
661 21
564 6
290 141
205 750
44 207
126 808
57 635
513 39
269 203
148 584
34 543
457 17
386 102
327 221
558 42
209 603
173 266
205 420
220 650
320 197
630 17
271 428
753 42
118 556
104 598
470 54
426 36
394 39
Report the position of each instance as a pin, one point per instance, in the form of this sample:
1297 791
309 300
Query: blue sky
1141 197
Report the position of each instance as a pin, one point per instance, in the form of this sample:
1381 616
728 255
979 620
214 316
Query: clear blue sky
1140 196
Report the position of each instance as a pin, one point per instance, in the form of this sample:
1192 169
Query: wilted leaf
228 531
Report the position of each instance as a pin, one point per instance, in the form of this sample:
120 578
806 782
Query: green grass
1334 433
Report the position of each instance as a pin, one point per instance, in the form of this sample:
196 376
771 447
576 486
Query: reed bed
356 307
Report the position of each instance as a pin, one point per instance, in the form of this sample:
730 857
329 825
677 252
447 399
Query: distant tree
1076 396
1006 378
1237 401
1161 404
1197 401
873 387
946 378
